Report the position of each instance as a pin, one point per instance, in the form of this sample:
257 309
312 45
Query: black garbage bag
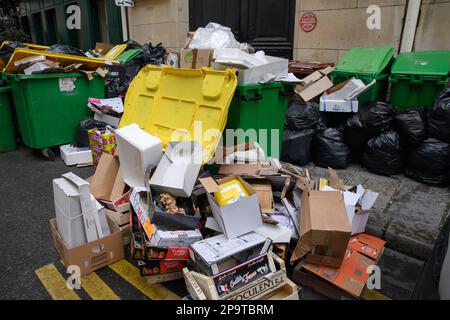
302 116
62 48
372 119
8 50
429 163
330 150
439 117
384 154
410 124
296 148
81 135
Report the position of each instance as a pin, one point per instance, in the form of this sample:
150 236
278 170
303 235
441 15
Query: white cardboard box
69 218
277 67
344 96
238 218
72 155
182 238
209 253
178 169
138 151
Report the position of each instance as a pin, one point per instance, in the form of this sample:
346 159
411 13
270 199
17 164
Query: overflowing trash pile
237 221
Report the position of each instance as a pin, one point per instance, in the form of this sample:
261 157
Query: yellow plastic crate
181 104
21 53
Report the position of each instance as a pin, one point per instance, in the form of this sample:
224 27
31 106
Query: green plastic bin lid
128 55
422 63
369 61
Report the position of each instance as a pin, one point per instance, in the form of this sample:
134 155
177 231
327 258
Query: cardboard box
69 213
122 222
72 155
275 66
367 245
157 253
189 220
101 141
140 209
152 267
178 169
238 218
202 287
289 291
229 282
350 277
107 183
314 84
349 280
195 58
180 238
92 255
343 97
217 254
324 228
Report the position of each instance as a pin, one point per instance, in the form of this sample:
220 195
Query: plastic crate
260 107
49 107
418 77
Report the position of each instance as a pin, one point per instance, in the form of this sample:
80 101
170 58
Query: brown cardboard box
195 58
92 255
314 84
265 196
122 223
107 185
324 228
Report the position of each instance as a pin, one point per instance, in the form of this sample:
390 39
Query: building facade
308 30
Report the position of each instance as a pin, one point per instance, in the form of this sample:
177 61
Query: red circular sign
308 21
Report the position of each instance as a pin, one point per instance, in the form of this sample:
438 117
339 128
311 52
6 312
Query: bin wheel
49 154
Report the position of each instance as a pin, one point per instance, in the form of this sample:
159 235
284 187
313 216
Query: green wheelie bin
7 129
261 107
366 64
418 77
49 107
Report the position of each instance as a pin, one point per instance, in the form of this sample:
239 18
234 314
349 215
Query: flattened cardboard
160 278
324 228
92 255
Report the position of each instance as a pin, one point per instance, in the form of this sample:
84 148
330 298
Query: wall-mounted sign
308 22
125 3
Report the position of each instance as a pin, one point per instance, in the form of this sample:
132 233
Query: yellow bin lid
21 53
181 104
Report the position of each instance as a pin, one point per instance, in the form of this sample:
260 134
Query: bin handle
255 98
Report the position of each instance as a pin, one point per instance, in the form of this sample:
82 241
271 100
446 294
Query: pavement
408 215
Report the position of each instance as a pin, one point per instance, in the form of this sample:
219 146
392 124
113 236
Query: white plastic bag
213 36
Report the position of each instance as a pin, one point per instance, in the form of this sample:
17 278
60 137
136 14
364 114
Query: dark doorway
266 24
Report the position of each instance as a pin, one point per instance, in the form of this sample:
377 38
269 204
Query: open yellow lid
181 104
22 53
30 45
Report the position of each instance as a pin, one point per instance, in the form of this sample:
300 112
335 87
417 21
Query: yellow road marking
96 288
55 283
131 274
368 294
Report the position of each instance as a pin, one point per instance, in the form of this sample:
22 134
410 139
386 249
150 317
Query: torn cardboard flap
209 184
314 84
265 196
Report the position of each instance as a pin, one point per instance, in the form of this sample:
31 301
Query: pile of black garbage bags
385 140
